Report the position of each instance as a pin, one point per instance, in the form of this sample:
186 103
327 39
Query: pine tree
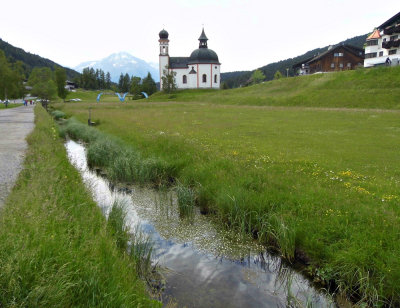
120 82
136 87
126 84
149 85
108 80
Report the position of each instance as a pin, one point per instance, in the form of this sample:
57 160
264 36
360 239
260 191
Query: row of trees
136 85
11 78
92 79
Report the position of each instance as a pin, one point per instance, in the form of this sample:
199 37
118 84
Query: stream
204 265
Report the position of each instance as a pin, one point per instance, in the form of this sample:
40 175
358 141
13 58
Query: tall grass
186 200
56 249
137 244
121 162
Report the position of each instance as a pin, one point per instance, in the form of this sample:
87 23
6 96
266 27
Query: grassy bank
363 88
56 249
11 105
319 184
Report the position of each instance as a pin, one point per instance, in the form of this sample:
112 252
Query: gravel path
15 125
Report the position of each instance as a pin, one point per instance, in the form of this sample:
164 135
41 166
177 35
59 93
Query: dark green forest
237 79
30 61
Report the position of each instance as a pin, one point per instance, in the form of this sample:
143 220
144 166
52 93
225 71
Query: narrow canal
205 265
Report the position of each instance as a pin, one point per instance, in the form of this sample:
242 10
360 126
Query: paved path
15 125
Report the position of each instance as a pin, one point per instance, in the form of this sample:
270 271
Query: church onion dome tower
201 70
163 34
203 54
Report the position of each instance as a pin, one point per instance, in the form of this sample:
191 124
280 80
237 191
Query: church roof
203 36
374 35
203 55
163 34
178 62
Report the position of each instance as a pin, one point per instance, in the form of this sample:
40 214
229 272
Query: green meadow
309 165
363 88
56 247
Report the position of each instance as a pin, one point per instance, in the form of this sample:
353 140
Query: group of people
30 102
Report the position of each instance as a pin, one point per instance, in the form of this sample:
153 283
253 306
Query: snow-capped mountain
122 62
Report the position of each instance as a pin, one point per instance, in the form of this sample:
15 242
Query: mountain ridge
31 61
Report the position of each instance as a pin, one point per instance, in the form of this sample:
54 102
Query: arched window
215 78
184 79
204 78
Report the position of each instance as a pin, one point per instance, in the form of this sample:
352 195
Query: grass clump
56 249
186 200
121 162
116 223
57 114
137 244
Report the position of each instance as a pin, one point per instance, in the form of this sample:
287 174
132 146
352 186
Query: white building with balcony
382 46
200 70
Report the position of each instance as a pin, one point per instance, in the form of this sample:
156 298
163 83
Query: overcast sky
245 34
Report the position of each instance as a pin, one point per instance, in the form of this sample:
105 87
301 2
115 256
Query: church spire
203 40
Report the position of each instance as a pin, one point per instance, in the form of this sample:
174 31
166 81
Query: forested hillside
30 61
236 79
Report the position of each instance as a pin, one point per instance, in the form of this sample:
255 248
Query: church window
204 78
184 79
215 78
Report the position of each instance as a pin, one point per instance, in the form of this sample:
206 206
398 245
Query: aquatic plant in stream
141 250
186 200
117 226
137 244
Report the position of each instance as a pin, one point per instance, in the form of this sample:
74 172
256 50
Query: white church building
200 70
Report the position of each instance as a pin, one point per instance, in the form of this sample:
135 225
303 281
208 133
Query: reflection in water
208 266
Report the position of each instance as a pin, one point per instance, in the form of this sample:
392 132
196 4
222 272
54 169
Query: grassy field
363 88
320 182
56 248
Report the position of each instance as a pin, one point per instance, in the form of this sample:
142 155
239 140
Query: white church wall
209 70
179 78
192 79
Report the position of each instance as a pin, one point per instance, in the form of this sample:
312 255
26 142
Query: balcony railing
392 29
390 44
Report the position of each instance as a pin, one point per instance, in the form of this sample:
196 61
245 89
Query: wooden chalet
337 58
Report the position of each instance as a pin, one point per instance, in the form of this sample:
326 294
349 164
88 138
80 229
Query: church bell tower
164 56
